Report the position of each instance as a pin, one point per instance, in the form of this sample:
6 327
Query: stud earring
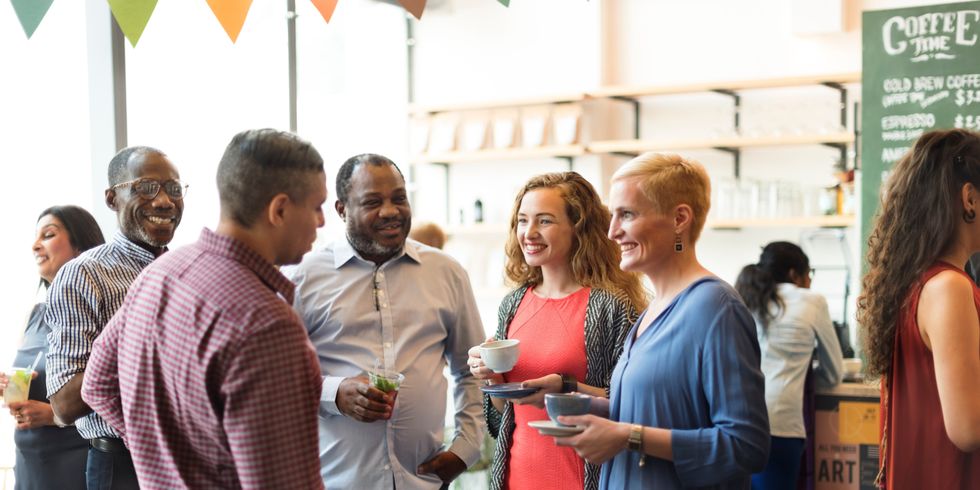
969 215
678 246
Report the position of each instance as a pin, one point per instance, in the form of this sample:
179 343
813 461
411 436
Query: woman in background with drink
790 320
49 456
571 310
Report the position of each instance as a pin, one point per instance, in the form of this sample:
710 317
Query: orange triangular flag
231 14
414 6
326 8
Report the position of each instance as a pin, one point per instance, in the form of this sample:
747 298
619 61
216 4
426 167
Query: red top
552 335
219 385
919 454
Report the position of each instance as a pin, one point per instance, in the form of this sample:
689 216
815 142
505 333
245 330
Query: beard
367 247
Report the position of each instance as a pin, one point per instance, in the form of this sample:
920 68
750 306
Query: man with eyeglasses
205 369
146 193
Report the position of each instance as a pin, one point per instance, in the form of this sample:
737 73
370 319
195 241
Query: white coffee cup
500 355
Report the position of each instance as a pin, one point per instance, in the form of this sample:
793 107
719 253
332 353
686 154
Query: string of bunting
133 15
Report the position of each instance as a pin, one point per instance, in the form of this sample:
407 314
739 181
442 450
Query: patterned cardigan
609 316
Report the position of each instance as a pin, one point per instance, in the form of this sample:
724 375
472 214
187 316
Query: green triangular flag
505 3
30 13
132 16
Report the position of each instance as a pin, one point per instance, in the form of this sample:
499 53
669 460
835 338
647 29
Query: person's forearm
67 402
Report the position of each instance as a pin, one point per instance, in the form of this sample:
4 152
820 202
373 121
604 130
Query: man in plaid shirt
206 371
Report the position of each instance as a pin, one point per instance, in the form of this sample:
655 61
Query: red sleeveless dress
918 453
552 335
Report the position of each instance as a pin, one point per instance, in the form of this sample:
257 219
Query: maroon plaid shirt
219 385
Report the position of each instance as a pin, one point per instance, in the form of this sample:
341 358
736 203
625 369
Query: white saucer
549 428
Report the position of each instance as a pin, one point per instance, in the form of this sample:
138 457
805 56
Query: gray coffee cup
566 404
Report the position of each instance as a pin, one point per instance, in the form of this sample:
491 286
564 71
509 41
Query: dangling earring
678 246
969 215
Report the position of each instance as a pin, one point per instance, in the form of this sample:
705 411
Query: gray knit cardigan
609 316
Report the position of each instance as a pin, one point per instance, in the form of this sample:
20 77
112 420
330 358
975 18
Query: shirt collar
233 249
343 252
130 248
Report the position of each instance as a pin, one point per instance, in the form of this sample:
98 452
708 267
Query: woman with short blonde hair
687 398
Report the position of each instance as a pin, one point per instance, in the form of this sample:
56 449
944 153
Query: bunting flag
415 7
132 16
30 13
505 3
231 14
326 8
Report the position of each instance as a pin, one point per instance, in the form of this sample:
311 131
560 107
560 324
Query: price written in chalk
967 97
967 122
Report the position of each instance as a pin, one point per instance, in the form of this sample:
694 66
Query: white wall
44 147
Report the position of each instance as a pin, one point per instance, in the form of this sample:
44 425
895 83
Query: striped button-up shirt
209 375
83 297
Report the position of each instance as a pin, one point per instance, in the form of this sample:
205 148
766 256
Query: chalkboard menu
921 71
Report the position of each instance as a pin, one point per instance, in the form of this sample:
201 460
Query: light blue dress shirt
787 349
416 312
695 371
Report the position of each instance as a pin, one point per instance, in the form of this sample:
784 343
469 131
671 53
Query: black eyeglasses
149 188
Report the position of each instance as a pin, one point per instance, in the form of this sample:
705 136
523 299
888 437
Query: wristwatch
568 383
635 442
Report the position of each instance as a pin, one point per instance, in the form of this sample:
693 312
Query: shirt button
387 345
384 305
381 292
387 467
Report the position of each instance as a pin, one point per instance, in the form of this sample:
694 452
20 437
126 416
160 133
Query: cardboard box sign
846 444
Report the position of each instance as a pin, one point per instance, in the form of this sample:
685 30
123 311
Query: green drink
388 382
19 386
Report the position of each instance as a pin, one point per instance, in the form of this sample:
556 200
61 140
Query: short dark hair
82 229
347 170
119 165
260 163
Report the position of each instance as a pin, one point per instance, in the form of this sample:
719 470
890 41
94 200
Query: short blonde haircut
668 180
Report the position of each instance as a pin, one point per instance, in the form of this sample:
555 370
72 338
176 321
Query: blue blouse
694 370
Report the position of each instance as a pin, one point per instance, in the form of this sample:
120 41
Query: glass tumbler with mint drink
18 386
387 381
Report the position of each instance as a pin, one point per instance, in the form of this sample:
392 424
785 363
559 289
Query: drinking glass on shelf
724 199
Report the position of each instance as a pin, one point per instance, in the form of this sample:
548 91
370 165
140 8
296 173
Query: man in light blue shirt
376 297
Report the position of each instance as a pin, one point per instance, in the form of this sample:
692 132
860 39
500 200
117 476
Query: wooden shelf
639 146
422 109
832 221
649 90
502 154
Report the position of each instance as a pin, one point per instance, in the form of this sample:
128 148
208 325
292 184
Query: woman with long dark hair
919 315
49 455
790 320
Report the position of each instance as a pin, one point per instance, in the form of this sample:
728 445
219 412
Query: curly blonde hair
916 223
595 258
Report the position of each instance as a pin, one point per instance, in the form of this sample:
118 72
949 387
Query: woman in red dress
571 311
919 311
